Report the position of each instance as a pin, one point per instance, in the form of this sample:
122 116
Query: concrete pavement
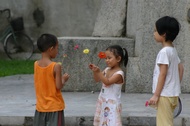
17 105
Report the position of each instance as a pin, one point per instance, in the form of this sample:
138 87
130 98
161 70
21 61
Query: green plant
13 67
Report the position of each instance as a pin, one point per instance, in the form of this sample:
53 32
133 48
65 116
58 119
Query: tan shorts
165 109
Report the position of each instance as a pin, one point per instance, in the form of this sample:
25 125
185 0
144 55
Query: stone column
111 19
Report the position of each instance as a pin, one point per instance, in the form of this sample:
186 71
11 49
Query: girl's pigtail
125 59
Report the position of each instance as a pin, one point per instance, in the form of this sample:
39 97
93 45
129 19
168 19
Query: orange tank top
48 97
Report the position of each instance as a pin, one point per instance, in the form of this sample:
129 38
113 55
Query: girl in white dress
108 108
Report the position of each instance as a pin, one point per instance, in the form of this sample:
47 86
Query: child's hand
148 104
91 66
65 77
94 68
153 100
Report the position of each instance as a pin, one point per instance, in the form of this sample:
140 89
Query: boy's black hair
46 41
118 51
169 26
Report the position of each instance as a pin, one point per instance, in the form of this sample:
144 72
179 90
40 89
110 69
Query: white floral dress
108 107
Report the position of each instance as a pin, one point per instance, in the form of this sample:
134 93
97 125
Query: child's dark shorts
49 118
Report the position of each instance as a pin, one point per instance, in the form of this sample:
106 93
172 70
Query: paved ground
17 105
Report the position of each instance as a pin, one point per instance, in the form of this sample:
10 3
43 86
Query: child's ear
164 35
118 58
51 48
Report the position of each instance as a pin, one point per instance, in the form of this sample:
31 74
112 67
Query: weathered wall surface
82 18
111 19
61 17
141 16
76 62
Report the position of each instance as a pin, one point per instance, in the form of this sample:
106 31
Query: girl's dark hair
169 26
46 41
118 51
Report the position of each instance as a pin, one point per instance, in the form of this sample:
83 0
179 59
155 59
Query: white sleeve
163 58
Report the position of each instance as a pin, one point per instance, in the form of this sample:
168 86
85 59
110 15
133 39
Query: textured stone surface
111 18
186 121
76 62
62 17
133 76
88 121
141 17
139 121
11 121
18 100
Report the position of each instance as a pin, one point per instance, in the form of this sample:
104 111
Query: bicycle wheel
18 46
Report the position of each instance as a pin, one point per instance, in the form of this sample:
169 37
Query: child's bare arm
96 78
65 78
99 76
60 80
160 85
161 79
181 70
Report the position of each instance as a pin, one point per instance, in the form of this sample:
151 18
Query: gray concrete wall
77 18
111 19
62 17
141 16
76 63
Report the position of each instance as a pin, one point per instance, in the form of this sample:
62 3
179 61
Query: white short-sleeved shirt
169 56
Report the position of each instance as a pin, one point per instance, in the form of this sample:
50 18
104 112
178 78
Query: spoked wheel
18 46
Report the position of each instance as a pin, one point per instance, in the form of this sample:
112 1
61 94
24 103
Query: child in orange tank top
48 82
